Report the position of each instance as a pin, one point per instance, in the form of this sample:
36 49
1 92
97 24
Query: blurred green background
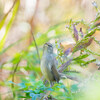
43 20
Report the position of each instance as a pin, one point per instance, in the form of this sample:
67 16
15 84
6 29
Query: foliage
15 8
31 85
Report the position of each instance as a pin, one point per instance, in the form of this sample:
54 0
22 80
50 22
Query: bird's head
48 48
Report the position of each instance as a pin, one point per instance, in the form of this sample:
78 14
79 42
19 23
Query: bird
49 65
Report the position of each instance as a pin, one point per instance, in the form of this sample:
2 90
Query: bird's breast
46 65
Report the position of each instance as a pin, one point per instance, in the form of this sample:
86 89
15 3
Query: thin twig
13 74
63 76
36 46
10 9
73 78
31 22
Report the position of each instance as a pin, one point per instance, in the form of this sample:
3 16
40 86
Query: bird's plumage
48 65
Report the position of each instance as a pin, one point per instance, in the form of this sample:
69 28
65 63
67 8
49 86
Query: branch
13 74
31 22
10 9
36 45
73 78
63 76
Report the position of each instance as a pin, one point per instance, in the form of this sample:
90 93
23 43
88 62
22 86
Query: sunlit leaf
81 57
92 31
80 61
90 61
2 22
9 23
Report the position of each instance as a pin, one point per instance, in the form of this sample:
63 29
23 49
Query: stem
13 74
36 46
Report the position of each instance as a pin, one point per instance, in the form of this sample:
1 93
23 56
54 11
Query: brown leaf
66 45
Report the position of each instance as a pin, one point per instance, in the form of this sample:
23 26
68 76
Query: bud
75 33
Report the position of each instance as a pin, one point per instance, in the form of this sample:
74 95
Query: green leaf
9 24
74 88
17 57
90 61
92 31
28 91
34 96
49 89
91 52
3 21
22 85
80 61
81 57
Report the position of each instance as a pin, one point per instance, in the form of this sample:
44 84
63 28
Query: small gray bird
48 64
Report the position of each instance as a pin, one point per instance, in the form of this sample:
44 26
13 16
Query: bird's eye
50 45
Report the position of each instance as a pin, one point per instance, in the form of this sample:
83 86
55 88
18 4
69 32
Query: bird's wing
55 73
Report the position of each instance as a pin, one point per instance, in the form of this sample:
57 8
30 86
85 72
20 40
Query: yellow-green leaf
15 8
